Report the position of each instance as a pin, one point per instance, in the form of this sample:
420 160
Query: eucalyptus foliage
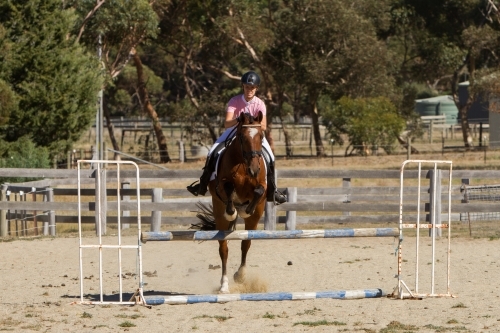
367 122
54 80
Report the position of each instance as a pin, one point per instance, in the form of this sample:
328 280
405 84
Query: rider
246 102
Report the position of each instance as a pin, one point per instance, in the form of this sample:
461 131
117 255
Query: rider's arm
263 123
230 122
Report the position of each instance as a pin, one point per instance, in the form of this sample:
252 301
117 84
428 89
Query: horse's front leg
258 193
230 213
239 276
224 281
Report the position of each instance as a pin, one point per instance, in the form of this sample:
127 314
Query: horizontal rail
266 234
188 220
288 206
278 296
282 173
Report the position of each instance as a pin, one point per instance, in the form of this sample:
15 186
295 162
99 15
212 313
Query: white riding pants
229 134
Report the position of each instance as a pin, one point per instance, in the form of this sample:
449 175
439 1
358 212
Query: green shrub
22 153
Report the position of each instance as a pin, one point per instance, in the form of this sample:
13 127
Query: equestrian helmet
250 78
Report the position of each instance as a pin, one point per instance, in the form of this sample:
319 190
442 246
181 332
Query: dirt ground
40 285
40 278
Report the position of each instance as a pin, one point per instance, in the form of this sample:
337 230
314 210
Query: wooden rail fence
44 203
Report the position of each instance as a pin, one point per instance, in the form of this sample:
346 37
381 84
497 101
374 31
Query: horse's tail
206 215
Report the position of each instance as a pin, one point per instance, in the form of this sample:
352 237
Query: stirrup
279 198
194 188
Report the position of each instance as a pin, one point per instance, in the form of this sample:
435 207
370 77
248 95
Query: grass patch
309 312
218 318
396 326
99 326
9 322
459 306
269 316
6 240
202 316
127 323
86 315
446 329
35 327
320 323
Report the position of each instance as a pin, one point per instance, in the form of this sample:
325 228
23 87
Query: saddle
217 154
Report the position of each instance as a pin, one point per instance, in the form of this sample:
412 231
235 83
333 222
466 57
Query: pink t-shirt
238 104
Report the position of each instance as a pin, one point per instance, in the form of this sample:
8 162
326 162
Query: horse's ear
260 116
241 118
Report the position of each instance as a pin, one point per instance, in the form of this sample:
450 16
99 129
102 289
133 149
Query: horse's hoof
223 291
239 276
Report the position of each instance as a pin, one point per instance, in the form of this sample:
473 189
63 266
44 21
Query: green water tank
450 110
426 107
436 106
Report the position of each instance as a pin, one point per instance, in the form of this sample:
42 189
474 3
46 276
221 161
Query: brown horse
239 189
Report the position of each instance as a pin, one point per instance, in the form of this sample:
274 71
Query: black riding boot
201 187
273 194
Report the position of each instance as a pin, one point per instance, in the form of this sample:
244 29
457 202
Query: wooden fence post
101 201
270 210
3 213
431 128
125 198
291 216
49 228
346 184
181 151
156 215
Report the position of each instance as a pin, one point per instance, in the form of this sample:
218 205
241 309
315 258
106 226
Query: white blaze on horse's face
253 132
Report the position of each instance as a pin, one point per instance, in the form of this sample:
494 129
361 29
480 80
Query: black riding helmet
250 78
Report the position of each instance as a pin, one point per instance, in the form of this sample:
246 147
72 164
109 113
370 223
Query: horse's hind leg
239 276
224 281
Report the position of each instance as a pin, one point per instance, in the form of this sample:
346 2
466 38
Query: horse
238 189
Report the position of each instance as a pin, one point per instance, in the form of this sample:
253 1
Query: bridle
248 155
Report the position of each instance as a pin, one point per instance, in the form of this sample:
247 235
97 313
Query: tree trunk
148 108
463 109
288 141
313 111
464 122
211 130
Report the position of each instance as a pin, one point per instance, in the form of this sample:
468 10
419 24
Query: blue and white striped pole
278 296
266 234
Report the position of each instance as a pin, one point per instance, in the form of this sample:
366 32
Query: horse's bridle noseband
248 155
